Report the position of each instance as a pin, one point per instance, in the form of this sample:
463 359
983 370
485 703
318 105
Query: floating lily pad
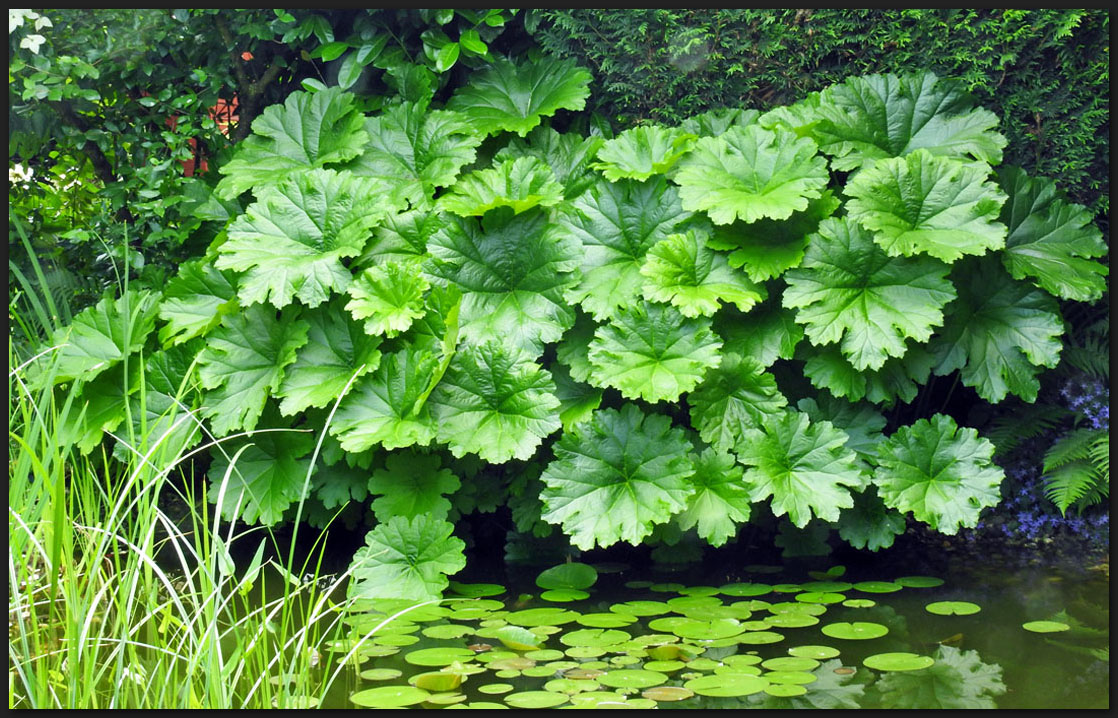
820 597
855 631
564 595
790 620
698 591
785 690
396 639
798 678
478 705
516 638
389 697
370 650
859 603
756 625
298 702
1045 626
539 672
632 679
740 660
790 663
493 656
668 623
445 699
953 608
507 673
878 586
637 584
685 603
475 590
703 664
594 699
624 660
787 588
816 652
742 590
641 608
542 617
441 656
751 670
535 699
594 637
800 607
605 620
918 581
707 630
760 638
568 575
544 654
569 686
380 674
667 652
727 685
667 694
585 651
584 673
446 631
898 662
436 681
832 572
665 666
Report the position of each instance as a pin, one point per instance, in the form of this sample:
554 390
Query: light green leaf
640 152
750 173
577 401
1051 241
512 270
507 96
805 468
102 335
715 122
389 297
682 270
309 131
923 204
336 351
734 399
862 423
999 333
494 401
616 476
407 558
568 155
412 484
415 151
652 352
520 183
943 474
848 290
243 364
380 408
194 301
402 237
291 242
102 406
874 117
266 478
720 501
617 223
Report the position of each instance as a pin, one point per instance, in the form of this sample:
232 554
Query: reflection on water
983 660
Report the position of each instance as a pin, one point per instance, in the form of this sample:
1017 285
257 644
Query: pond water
816 633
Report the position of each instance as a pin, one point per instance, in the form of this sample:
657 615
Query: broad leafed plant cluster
480 310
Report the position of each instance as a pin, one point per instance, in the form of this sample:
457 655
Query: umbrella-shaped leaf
412 484
720 501
194 301
388 297
267 477
407 558
683 270
733 399
380 408
521 183
640 152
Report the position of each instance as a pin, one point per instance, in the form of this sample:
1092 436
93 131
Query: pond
891 631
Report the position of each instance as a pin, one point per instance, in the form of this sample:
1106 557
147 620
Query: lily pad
445 699
800 607
878 586
596 637
798 678
478 705
624 660
760 638
785 690
1045 626
898 662
742 660
585 651
564 595
918 581
703 664
604 699
668 623
742 590
667 652
787 588
568 575
446 631
380 674
641 608
389 697
441 656
436 681
751 670
698 591
727 685
535 699
707 630
953 608
475 590
569 686
493 656
816 652
689 603
539 672
605 620
790 663
544 654
665 666
854 631
516 638
396 639
820 597
790 620
542 617
832 572
667 694
632 679
859 603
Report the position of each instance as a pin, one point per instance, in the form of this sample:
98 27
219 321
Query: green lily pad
624 660
816 652
632 679
854 631
568 575
515 663
395 639
445 699
475 590
665 666
667 652
832 572
785 690
641 608
478 705
743 590
585 651
535 699
790 663
787 588
820 597
918 581
800 607
436 681
859 603
370 650
727 685
539 672
878 586
790 620
516 638
953 608
668 623
756 625
542 617
389 697
584 672
544 654
759 638
707 630
380 674
667 694
698 591
1045 626
637 584
798 678
740 660
680 604
751 670
598 637
898 662
703 664
603 699
605 620
441 656
446 631
564 595
507 673
569 686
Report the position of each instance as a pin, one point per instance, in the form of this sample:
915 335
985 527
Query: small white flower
32 42
17 16
41 22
